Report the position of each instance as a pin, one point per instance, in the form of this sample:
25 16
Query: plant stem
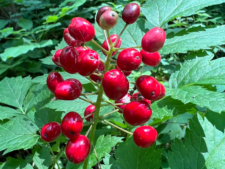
91 81
118 127
126 48
110 41
57 158
88 94
109 113
89 129
106 39
120 34
50 148
93 41
86 100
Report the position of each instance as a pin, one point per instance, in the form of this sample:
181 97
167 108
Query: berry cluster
108 78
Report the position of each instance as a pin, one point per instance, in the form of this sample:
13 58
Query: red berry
50 131
70 40
113 39
131 13
53 79
68 59
162 91
129 59
89 110
153 40
137 113
95 78
81 29
101 11
126 73
56 58
108 20
148 87
125 99
72 124
115 84
77 82
81 49
150 59
88 62
67 90
78 149
138 97
145 136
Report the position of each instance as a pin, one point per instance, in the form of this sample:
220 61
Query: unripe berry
53 79
78 149
150 59
81 29
50 131
56 58
70 40
72 124
101 11
113 39
108 20
89 110
131 13
145 136
138 97
125 99
153 40
115 84
129 59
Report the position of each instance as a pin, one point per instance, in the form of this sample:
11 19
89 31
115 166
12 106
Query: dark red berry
113 39
81 29
101 11
126 73
68 59
88 62
115 84
81 49
131 13
145 136
95 78
78 149
53 79
150 59
77 83
108 20
153 40
56 58
125 99
50 131
70 40
148 86
137 113
138 97
162 91
129 59
67 90
72 124
89 110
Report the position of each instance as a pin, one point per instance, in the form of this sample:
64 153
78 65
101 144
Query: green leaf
14 90
159 12
194 41
19 133
6 32
22 49
42 158
51 18
12 163
3 23
25 23
7 113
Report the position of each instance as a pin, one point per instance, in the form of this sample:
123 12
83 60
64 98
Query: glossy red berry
56 58
145 136
115 84
81 49
78 149
53 79
89 110
70 40
153 40
108 20
81 29
162 91
148 87
126 73
113 39
137 113
131 13
150 59
138 97
95 78
50 131
129 59
68 59
125 99
101 11
72 124
88 62
67 90
76 82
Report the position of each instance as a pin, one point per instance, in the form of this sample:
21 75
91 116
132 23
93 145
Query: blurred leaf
3 23
51 18
42 158
12 163
25 23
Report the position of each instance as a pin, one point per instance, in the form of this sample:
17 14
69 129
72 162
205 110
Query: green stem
86 100
50 148
126 48
109 113
110 41
118 127
93 41
120 34
57 158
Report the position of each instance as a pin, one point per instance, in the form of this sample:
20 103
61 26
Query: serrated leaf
14 90
7 112
19 133
42 158
25 23
194 41
12 163
159 12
